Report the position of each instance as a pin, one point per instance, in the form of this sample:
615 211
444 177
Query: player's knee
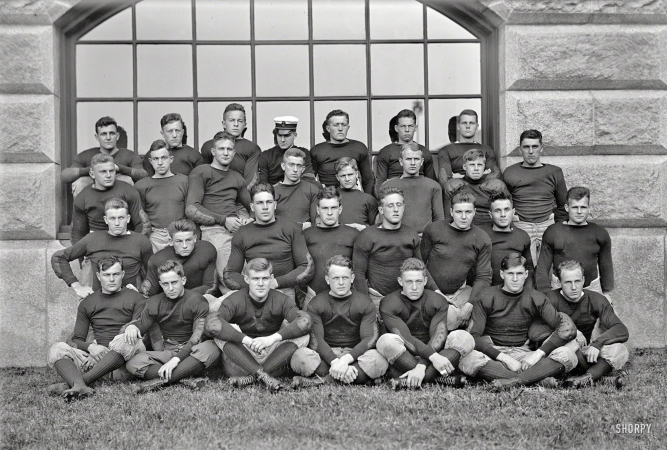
206 352
390 346
305 361
373 363
566 356
473 362
127 351
615 354
138 364
461 341
57 351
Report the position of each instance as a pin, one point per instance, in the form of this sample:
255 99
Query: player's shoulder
194 298
132 296
597 300
202 170
246 146
386 151
391 299
161 256
205 247
319 303
480 234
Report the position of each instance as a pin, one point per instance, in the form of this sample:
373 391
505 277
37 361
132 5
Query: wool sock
277 363
69 372
109 362
599 369
240 356
493 370
546 367
190 366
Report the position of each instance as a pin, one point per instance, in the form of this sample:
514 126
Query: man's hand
273 284
357 226
441 364
260 343
591 354
131 334
511 363
306 225
233 223
166 370
415 376
532 359
88 364
81 291
350 375
339 366
97 351
457 175
486 172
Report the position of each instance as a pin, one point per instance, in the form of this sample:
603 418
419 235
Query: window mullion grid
424 126
369 114
135 94
252 71
311 75
195 86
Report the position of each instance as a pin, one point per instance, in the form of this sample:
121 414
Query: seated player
502 317
280 241
423 196
327 239
180 314
505 238
270 162
296 200
478 183
249 329
599 354
359 208
418 344
107 311
387 161
186 158
197 258
163 195
579 240
345 327
134 249
451 252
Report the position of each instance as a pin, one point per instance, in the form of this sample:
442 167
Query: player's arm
200 311
390 312
366 172
304 269
530 280
208 278
251 167
299 322
545 261
135 171
81 327
560 214
218 324
233 278
60 264
323 349
492 164
605 265
194 209
616 331
445 165
368 332
482 344
437 209
360 257
263 168
483 271
146 253
80 226
429 171
380 171
565 328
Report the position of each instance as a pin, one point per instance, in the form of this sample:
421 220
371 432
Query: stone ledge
27 55
33 12
28 124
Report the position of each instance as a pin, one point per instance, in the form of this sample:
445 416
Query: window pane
282 70
340 69
384 110
266 111
223 71
164 70
115 80
116 28
342 19
457 67
358 118
440 111
150 114
396 19
223 20
88 113
210 119
164 20
442 27
397 69
285 20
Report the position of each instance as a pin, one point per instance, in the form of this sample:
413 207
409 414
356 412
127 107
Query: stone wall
591 74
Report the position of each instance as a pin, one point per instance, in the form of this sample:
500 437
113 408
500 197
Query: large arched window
138 60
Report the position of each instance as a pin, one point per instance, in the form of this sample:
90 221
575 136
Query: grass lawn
335 416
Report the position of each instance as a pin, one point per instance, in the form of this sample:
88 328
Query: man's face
475 169
411 161
578 210
259 282
107 137
347 177
531 150
329 209
172 133
285 138
184 243
467 126
462 214
111 279
338 127
572 284
264 206
514 279
502 213
104 174
117 220
391 208
234 123
161 161
340 280
413 283
223 152
172 284
293 167
405 128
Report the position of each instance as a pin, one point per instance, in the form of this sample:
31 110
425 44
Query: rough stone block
23 309
62 302
28 125
591 57
628 190
29 201
28 63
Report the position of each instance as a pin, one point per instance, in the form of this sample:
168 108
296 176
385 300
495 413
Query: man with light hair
359 208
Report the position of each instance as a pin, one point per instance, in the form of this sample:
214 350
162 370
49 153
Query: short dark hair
338 260
530 134
569 265
158 145
234 107
467 112
223 135
462 196
327 193
500 195
410 114
171 117
262 187
105 122
294 153
393 135
577 193
171 266
513 259
115 203
335 113
181 225
387 191
257 265
413 264
108 261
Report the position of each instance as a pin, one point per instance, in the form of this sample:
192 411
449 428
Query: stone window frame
88 14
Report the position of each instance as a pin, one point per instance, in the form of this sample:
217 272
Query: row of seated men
383 257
